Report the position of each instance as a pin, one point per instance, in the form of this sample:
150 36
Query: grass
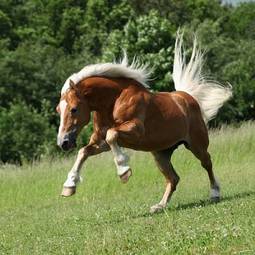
107 217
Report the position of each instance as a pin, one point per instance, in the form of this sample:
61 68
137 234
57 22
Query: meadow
107 217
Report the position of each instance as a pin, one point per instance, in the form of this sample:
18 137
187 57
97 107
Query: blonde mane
136 71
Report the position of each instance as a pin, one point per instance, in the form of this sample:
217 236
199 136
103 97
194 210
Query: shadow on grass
207 202
200 203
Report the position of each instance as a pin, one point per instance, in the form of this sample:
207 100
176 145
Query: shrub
25 134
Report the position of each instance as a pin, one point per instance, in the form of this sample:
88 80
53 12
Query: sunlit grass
107 217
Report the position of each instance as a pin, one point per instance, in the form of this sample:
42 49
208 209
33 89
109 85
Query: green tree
43 42
25 134
152 37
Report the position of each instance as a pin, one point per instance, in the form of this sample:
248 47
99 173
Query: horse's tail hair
210 94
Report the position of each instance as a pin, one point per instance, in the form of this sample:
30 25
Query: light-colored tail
210 94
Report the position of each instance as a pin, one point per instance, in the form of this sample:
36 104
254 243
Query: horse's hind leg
198 146
162 159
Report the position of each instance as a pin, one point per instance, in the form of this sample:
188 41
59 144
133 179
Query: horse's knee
84 152
111 136
81 153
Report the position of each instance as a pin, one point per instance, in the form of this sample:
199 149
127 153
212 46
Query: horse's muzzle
68 141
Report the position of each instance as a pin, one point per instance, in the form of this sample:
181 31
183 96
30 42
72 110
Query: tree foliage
43 42
24 134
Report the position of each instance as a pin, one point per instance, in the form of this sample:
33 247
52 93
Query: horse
127 114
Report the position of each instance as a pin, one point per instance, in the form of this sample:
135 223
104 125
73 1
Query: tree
152 37
43 42
25 134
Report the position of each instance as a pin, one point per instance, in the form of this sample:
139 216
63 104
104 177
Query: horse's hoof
215 199
156 208
124 177
68 191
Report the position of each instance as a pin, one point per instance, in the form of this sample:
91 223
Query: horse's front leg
74 175
129 131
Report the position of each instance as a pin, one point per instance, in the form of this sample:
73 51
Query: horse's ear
72 85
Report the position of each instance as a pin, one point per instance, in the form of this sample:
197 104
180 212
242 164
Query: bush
25 134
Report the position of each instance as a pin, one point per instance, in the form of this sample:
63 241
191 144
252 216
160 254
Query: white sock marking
72 179
120 158
215 191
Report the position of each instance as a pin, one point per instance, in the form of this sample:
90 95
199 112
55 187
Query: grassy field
107 217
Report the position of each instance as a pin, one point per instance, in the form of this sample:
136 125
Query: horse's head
74 114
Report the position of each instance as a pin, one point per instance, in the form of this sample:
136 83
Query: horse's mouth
68 141
68 145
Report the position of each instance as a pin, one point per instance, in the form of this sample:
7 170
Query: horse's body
126 114
161 119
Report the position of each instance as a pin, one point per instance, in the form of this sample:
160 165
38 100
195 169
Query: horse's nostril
65 145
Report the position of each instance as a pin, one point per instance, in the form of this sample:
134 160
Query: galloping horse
127 114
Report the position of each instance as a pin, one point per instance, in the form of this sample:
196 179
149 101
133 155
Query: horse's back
178 104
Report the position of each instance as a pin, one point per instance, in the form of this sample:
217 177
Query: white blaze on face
62 106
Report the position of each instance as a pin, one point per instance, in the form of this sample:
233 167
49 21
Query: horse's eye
73 110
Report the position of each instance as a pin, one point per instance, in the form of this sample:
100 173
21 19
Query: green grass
107 217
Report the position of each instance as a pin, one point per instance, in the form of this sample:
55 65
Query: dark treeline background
42 42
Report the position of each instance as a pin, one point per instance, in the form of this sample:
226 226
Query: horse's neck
101 93
102 121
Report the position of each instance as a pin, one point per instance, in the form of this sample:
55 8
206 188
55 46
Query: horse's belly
156 141
160 137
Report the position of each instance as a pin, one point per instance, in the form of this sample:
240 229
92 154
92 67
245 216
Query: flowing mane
136 71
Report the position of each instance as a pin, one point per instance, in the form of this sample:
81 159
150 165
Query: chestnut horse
126 114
